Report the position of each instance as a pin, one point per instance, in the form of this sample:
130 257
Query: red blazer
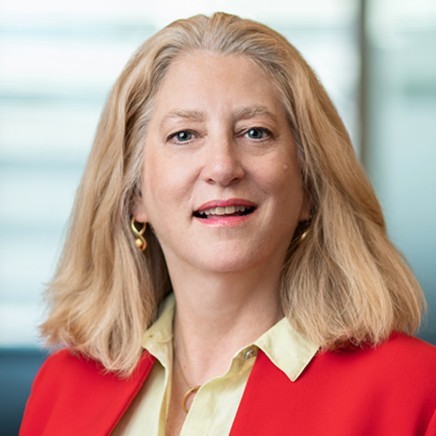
388 390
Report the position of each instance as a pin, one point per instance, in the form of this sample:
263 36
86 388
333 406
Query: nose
222 163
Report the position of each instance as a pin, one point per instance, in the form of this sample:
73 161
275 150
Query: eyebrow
184 114
242 113
248 112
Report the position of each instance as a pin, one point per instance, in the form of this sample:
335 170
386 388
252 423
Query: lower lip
225 221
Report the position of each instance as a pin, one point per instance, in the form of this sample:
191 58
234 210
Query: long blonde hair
343 283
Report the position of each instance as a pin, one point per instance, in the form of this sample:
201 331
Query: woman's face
221 185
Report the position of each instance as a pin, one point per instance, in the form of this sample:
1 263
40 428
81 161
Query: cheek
281 175
285 186
157 173
165 185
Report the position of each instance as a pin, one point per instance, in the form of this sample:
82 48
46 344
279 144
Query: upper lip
225 203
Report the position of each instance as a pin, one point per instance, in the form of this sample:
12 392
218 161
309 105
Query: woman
223 213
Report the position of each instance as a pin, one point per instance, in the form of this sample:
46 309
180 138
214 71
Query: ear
139 211
306 209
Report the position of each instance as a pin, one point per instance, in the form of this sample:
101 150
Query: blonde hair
343 283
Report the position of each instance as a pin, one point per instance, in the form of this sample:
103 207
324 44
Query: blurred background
58 60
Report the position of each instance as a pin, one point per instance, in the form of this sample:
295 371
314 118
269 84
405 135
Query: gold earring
302 230
303 235
140 241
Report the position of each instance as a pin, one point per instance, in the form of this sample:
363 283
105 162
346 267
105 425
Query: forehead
198 79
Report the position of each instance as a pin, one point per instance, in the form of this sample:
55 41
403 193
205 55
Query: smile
223 209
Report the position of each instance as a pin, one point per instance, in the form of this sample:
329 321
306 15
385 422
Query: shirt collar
285 347
157 339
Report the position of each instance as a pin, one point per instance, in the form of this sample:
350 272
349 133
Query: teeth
227 210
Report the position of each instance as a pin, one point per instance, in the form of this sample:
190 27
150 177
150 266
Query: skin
219 136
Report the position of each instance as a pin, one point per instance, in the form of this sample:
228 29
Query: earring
303 235
140 241
302 230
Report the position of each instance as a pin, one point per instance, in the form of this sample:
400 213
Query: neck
218 314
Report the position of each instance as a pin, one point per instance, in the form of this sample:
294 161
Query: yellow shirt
214 407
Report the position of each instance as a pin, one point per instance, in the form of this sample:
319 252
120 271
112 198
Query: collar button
250 352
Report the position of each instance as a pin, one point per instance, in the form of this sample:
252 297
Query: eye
181 136
258 133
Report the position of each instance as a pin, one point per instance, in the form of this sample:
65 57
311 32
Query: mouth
224 209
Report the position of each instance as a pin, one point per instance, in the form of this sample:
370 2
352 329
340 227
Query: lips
226 208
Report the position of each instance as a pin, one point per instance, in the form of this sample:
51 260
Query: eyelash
173 136
266 134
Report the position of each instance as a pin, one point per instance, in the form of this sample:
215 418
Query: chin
231 262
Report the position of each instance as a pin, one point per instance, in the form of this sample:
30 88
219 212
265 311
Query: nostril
225 175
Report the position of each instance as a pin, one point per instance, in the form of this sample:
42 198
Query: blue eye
258 133
182 136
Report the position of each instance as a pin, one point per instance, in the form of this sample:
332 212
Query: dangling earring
140 241
303 235
302 230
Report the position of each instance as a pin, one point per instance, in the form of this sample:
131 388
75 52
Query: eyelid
172 136
268 132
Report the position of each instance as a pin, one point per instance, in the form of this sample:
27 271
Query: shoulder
65 370
407 352
403 345
70 389
400 364
60 362
399 354
388 389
